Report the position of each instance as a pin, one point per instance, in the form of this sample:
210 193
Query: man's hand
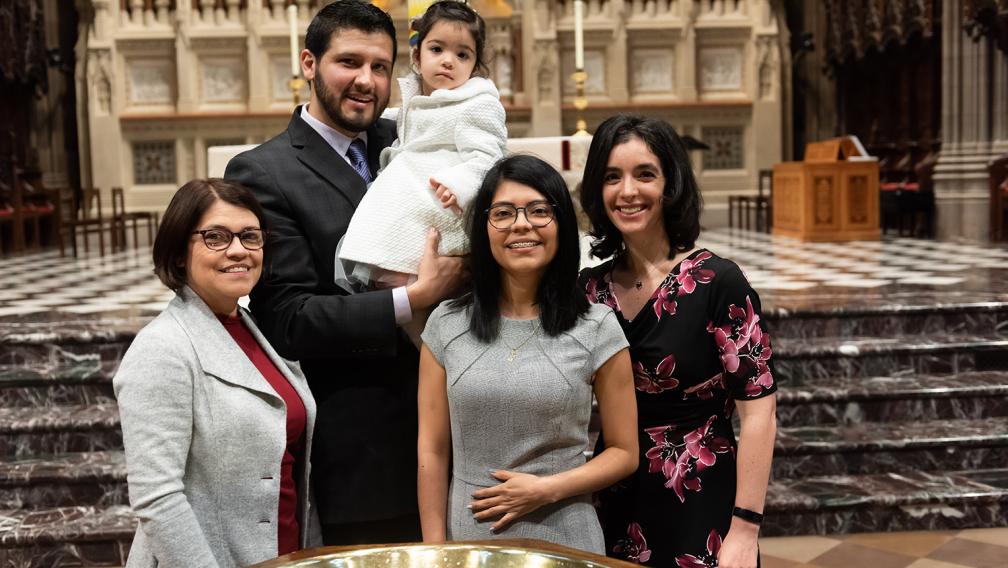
438 276
448 199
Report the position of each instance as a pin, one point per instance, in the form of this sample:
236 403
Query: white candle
292 17
579 34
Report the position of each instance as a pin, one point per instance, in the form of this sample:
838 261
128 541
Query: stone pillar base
962 195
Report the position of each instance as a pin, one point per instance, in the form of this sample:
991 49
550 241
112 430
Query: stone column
968 129
542 68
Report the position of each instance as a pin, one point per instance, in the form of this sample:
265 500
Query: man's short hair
347 15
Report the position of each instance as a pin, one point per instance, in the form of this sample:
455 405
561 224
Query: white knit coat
453 136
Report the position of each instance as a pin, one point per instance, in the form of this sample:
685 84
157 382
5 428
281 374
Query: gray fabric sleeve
609 338
433 336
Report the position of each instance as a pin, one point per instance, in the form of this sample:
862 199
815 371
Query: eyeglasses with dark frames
220 239
503 215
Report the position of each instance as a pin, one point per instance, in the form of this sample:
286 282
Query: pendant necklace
515 349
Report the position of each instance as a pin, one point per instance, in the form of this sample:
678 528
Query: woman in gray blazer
217 427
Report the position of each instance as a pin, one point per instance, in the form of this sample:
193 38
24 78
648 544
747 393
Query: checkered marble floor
778 263
46 282
974 548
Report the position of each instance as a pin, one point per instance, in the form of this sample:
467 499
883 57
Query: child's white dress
453 136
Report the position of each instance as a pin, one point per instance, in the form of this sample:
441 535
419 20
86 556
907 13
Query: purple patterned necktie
357 152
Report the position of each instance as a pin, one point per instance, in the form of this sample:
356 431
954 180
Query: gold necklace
515 349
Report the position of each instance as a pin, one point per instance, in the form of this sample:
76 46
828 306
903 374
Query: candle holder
296 83
580 101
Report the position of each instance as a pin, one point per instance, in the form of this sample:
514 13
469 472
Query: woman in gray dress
507 374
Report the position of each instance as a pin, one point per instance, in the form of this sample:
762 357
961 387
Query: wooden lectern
833 195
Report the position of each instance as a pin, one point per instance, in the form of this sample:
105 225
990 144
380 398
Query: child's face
446 58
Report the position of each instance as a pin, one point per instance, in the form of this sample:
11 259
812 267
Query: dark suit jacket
361 369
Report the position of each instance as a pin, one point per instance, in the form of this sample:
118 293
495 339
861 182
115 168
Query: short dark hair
347 15
682 201
455 11
560 303
187 207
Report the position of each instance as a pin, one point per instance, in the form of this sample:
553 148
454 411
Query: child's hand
448 200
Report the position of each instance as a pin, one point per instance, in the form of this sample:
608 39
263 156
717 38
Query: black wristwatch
747 515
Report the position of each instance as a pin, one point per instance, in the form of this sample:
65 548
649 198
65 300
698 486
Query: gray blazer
204 434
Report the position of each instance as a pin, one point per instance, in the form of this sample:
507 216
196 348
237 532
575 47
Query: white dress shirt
340 143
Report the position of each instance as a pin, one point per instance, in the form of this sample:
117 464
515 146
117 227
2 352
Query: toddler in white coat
451 131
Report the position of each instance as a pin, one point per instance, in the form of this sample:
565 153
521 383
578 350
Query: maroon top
288 531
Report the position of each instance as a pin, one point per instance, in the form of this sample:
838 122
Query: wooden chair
88 218
120 217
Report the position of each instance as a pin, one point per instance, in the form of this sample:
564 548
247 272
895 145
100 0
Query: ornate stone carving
154 162
546 67
652 70
726 149
151 81
223 80
768 65
721 69
99 72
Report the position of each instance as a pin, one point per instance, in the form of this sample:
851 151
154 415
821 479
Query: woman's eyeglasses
220 239
503 216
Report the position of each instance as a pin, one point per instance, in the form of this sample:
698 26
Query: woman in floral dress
699 349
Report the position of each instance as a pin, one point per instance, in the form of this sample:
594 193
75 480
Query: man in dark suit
361 369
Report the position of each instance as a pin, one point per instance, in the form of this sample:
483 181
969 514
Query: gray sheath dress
528 415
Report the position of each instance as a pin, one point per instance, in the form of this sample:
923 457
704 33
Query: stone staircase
63 498
889 419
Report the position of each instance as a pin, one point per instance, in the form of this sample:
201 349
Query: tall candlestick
292 18
579 34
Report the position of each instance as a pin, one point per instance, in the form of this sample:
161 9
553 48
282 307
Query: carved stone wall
198 72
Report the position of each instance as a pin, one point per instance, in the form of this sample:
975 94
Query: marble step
887 502
66 383
65 338
895 447
850 400
898 316
803 361
26 431
79 479
66 536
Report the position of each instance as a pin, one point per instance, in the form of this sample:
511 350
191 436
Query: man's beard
331 105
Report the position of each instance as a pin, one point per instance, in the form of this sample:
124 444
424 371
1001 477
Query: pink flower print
682 463
633 547
658 380
702 444
742 323
728 349
690 273
759 347
708 560
759 384
598 292
705 390
664 300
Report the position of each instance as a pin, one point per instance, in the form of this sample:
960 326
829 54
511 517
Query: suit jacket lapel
380 136
314 152
217 352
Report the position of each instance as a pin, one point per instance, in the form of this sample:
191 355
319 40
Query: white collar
339 141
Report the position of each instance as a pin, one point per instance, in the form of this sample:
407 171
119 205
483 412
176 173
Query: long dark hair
681 204
559 300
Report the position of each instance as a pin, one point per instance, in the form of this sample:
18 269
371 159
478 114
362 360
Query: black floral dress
697 346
